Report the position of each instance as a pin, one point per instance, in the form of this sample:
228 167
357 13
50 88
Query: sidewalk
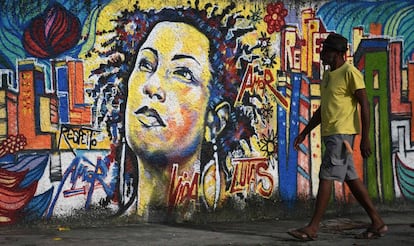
334 231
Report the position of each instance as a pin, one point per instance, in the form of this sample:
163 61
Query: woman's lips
149 117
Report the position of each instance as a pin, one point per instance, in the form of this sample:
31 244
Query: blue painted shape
405 177
38 206
287 172
63 108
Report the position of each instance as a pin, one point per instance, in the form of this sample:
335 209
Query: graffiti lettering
256 82
91 177
251 175
83 171
182 188
79 136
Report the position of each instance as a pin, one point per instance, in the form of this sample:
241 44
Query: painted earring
210 179
128 186
217 174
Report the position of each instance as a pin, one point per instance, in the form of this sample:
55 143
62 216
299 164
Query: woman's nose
153 89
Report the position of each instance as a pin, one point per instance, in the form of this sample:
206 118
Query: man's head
337 42
333 50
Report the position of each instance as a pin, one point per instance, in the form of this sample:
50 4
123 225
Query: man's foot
372 233
302 235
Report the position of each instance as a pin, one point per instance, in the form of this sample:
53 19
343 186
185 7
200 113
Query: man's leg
360 192
322 200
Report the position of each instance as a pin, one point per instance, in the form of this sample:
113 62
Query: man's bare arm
361 96
314 122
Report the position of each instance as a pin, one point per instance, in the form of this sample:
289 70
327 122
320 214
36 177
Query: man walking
342 89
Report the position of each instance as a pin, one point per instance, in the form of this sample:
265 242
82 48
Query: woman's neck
160 185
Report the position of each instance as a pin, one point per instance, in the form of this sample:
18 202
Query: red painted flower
275 17
52 33
12 144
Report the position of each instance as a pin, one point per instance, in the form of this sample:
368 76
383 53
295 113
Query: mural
162 108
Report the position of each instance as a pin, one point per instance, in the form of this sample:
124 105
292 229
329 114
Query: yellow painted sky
116 6
244 8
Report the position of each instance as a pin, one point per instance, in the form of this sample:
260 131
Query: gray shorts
337 163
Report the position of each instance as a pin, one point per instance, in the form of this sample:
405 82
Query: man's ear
217 120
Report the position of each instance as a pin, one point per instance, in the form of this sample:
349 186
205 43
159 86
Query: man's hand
361 96
298 140
365 147
314 121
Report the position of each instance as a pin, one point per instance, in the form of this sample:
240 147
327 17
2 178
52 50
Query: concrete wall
170 110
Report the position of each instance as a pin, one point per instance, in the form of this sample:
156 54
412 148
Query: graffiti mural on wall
130 107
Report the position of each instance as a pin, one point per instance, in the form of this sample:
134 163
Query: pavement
334 231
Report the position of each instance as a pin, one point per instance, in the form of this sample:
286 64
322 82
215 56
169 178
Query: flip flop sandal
302 235
372 233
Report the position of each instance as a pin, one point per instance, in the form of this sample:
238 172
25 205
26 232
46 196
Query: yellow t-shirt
339 113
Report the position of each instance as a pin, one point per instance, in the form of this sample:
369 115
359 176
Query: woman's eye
185 73
145 65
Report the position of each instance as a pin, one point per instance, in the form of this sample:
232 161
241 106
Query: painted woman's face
168 92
